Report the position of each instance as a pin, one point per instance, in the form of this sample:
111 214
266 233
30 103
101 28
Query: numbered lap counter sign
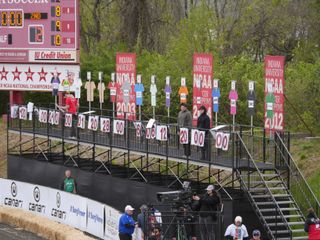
197 137
184 136
105 125
54 117
68 120
222 141
118 127
138 127
162 133
93 123
81 121
43 116
23 113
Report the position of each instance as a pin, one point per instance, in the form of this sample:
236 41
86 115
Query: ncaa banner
95 222
112 217
274 75
202 85
125 78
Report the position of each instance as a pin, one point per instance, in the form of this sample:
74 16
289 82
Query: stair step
285 216
283 224
265 189
261 182
282 209
269 175
288 231
295 238
278 202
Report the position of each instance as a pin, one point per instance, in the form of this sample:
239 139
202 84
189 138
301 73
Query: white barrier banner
118 127
68 208
112 217
184 136
105 125
81 121
197 137
43 116
162 133
222 141
76 211
95 218
23 112
93 123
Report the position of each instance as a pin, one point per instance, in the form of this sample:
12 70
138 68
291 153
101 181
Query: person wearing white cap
208 204
126 224
237 230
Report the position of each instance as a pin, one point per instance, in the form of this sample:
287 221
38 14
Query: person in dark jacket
143 220
208 205
204 124
185 121
312 225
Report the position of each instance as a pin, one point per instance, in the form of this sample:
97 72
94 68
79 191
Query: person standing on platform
71 106
203 124
208 205
237 230
185 121
126 224
69 183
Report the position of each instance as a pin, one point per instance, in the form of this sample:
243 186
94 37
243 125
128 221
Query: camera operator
207 205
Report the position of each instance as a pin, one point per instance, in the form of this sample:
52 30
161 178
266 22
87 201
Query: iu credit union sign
35 32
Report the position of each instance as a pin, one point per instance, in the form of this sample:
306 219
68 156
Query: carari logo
36 194
14 190
56 212
37 207
13 202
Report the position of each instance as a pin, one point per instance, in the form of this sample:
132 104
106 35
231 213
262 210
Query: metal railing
248 181
298 185
129 140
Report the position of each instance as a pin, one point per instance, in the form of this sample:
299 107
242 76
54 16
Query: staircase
271 199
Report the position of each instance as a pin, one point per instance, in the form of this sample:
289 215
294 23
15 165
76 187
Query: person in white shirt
237 230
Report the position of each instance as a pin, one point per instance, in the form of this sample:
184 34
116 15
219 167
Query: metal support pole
216 119
233 122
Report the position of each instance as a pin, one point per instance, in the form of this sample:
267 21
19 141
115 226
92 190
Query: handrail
259 173
297 169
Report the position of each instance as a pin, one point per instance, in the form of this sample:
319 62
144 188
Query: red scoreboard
39 31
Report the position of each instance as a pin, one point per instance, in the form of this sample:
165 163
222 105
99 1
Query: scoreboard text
44 31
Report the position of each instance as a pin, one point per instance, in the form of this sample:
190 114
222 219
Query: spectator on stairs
237 230
256 235
312 225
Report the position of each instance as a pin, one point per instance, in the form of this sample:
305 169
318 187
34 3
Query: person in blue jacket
126 224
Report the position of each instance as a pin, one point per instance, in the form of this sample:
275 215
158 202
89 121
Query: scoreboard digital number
39 31
12 18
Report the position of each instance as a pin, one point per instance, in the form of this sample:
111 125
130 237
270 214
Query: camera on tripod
179 200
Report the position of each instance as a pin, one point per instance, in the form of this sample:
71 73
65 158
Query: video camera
179 200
